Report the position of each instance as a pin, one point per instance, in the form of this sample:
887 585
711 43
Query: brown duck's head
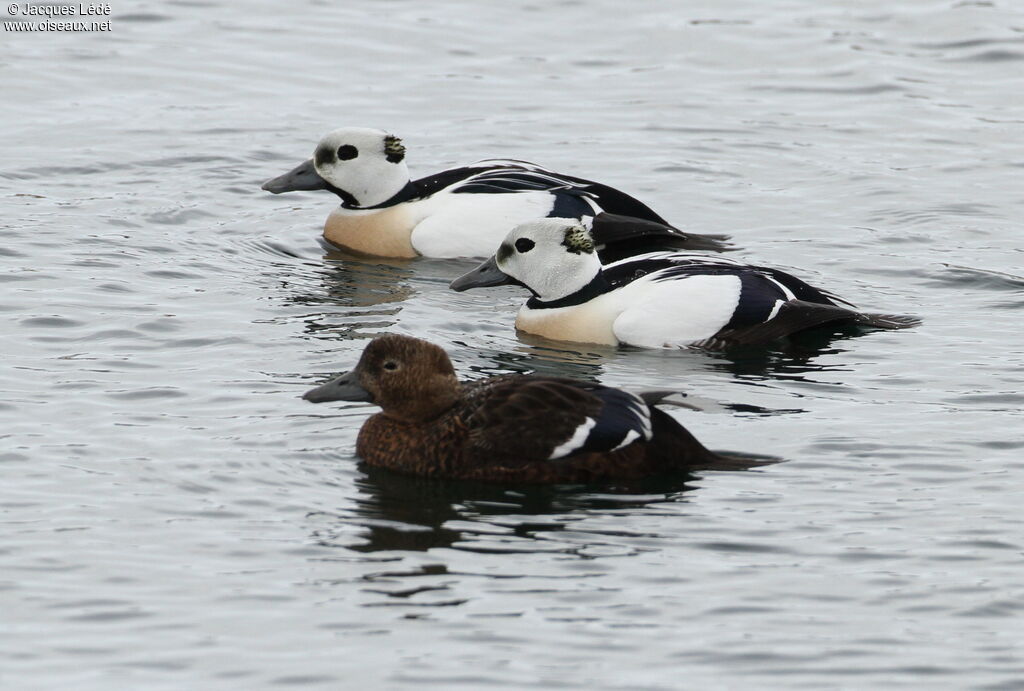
410 379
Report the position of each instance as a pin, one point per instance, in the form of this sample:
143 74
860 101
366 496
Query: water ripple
176 516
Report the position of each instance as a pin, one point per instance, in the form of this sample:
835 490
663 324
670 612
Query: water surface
175 516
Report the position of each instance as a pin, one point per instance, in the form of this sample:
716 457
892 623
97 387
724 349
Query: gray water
174 516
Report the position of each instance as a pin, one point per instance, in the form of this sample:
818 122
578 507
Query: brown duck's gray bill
343 388
486 275
301 177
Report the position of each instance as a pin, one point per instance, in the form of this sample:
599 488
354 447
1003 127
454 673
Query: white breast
676 313
473 224
647 313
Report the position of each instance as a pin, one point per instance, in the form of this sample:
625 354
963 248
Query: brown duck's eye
347 152
390 365
524 245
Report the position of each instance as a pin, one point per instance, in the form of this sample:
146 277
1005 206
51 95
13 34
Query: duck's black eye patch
524 245
390 365
323 155
347 152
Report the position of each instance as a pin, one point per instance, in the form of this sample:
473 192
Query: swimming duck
654 300
467 211
511 428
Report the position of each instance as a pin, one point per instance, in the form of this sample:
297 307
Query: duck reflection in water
796 358
356 296
548 360
396 512
349 281
793 358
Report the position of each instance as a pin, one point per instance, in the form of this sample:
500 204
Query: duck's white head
552 257
363 166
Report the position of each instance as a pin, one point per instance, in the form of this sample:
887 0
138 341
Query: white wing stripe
679 258
540 178
578 439
785 291
643 414
631 436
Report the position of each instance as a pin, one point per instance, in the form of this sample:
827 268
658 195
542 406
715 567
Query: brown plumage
507 428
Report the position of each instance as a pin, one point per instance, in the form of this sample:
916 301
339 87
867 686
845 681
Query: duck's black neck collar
598 285
349 202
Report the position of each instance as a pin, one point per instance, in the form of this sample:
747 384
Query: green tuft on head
393 148
578 241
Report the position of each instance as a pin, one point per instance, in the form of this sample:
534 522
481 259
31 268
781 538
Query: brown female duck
509 428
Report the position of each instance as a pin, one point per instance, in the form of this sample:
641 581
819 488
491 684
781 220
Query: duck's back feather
674 299
510 428
496 177
510 175
566 417
617 202
499 410
800 289
623 226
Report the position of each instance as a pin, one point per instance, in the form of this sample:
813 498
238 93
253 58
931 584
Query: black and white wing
733 303
496 176
774 304
621 225
535 418
622 419
509 175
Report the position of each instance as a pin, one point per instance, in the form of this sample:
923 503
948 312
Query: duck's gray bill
301 177
486 275
343 388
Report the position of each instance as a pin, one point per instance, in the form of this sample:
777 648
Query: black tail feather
887 321
799 315
737 461
625 236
